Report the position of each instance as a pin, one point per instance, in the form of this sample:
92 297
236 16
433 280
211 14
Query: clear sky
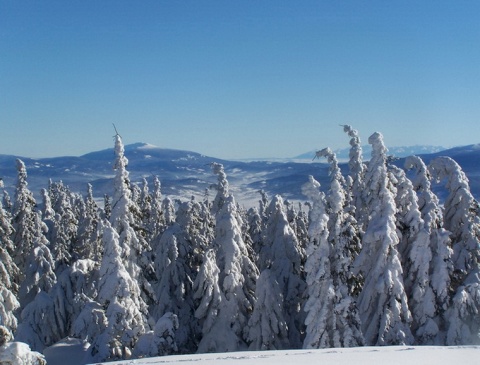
236 79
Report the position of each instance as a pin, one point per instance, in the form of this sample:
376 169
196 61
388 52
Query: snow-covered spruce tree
38 326
23 219
382 303
161 340
267 328
156 219
282 254
299 223
344 233
198 233
174 285
357 174
8 301
7 201
107 207
74 290
168 210
124 308
64 231
221 186
255 231
212 311
88 242
236 278
38 270
339 323
319 282
416 254
48 214
461 218
441 265
9 274
463 221
135 249
7 249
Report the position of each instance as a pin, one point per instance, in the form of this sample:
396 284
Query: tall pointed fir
441 265
383 302
340 323
237 273
137 252
357 174
320 289
156 219
462 220
120 296
23 219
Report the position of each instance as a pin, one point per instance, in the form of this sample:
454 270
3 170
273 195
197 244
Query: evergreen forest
373 259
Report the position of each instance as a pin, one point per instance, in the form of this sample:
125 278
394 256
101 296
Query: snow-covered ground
72 353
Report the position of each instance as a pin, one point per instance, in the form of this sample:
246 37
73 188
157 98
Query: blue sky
236 79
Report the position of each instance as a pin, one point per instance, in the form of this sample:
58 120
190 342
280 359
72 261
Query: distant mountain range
184 173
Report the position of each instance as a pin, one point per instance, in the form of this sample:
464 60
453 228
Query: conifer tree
88 239
39 266
267 327
174 285
282 255
416 253
64 230
8 301
215 317
338 322
161 340
24 218
237 273
137 252
156 218
7 250
357 174
441 265
462 220
74 290
319 283
382 303
120 296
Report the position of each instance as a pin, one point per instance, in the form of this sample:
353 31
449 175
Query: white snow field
71 354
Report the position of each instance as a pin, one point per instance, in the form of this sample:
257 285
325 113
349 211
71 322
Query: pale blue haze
236 79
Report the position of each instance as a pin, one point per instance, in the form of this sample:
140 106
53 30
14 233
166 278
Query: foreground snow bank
392 355
69 351
19 353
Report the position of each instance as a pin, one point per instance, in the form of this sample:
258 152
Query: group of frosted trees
374 260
